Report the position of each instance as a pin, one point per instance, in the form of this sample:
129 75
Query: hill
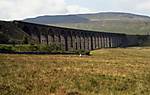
57 19
9 33
108 21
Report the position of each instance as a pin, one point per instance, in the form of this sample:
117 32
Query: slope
108 21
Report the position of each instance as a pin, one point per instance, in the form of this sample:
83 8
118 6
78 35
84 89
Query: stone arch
0 27
36 34
66 40
74 40
69 39
82 40
63 40
100 40
86 40
79 39
44 35
97 40
51 33
59 37
91 41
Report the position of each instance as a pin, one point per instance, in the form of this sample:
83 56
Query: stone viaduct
72 39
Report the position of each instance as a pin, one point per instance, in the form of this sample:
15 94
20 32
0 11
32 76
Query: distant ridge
57 19
80 18
117 22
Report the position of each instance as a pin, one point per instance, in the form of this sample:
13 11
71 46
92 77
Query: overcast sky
20 9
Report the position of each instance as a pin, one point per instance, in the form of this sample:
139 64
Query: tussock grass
105 72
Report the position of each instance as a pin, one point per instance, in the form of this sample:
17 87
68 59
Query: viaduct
73 39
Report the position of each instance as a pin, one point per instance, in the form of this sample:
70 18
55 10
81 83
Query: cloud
132 6
144 6
76 9
20 9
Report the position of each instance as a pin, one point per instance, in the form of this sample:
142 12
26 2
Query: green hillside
116 26
11 33
113 22
114 16
106 22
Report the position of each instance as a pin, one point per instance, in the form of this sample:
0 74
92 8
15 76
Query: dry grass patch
106 71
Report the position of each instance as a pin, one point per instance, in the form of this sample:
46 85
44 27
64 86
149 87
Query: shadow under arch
37 34
51 33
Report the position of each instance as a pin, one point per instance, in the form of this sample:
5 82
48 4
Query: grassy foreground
106 72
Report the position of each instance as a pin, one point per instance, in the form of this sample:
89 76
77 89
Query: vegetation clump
3 38
53 48
6 48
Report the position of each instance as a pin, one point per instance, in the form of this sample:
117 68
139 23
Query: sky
21 9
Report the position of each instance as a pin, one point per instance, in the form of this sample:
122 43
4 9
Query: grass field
105 72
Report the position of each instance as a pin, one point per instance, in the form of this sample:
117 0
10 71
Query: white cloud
75 9
19 9
132 6
144 5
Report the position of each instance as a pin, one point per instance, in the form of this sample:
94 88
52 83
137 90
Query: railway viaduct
66 38
72 39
